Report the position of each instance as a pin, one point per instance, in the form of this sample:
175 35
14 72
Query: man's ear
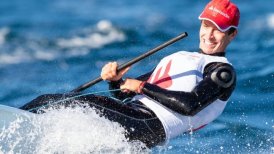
233 35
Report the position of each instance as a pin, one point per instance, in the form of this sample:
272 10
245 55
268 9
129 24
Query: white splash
105 33
76 130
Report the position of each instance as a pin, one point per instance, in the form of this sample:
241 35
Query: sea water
55 46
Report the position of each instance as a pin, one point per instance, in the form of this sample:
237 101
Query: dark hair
231 30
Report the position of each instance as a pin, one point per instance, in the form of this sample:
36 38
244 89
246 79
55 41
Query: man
186 90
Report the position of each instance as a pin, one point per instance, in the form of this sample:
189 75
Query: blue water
55 46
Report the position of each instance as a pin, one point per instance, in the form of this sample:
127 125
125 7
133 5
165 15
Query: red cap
223 13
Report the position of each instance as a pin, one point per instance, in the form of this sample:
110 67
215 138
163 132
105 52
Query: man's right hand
109 72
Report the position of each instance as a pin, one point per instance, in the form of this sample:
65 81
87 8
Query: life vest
182 71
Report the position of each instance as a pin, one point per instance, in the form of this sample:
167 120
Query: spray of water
66 130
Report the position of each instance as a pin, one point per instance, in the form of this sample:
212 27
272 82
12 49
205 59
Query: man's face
213 40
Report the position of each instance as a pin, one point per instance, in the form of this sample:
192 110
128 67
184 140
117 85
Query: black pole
131 62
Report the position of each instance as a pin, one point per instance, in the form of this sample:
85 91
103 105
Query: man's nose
209 34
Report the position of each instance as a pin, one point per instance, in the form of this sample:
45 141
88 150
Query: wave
260 23
24 49
30 53
270 21
3 33
105 33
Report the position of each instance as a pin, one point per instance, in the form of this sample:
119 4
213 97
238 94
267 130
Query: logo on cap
216 11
